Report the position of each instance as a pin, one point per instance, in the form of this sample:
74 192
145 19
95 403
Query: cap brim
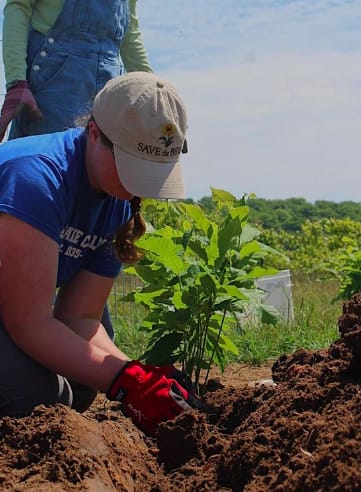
149 179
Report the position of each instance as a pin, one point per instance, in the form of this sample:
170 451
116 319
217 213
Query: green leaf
240 212
226 343
249 233
258 272
232 291
177 300
186 238
168 253
228 303
209 283
200 220
147 298
226 234
128 297
147 272
212 249
222 196
199 249
268 314
162 352
190 296
250 248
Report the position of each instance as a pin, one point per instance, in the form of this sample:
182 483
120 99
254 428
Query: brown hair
128 233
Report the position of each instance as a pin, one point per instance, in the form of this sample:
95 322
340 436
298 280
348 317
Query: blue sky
273 91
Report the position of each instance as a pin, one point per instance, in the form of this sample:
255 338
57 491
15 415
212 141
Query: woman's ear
93 131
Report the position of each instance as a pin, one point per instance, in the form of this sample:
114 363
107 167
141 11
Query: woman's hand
18 98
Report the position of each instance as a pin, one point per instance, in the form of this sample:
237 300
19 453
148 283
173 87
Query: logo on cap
167 137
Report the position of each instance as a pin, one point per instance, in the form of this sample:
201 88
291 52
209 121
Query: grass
127 318
130 339
314 326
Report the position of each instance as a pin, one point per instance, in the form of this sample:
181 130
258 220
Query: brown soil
301 434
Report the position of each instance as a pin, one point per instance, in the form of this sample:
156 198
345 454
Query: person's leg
24 383
107 322
83 396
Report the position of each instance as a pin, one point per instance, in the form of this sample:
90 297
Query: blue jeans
107 322
72 62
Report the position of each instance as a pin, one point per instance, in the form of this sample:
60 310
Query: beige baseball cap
146 120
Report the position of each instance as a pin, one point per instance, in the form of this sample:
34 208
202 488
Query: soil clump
301 432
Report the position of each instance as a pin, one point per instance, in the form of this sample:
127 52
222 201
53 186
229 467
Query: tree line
289 214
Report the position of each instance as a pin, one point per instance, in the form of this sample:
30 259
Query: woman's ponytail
128 233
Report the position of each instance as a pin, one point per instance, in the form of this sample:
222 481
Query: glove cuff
18 84
117 390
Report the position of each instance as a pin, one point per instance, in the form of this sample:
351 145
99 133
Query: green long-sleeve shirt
21 15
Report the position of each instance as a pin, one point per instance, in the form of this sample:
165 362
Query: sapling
198 273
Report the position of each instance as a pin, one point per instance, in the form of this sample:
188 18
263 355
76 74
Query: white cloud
273 90
278 127
190 34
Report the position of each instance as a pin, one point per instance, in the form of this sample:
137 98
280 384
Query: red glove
151 394
18 97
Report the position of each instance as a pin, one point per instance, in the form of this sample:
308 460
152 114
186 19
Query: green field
314 326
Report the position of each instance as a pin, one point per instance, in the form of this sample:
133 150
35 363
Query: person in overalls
58 55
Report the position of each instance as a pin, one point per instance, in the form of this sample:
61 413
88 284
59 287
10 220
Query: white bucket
278 292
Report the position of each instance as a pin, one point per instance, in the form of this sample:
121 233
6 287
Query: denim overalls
72 62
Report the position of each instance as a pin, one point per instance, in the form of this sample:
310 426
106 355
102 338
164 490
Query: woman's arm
28 271
132 50
16 24
80 304
19 16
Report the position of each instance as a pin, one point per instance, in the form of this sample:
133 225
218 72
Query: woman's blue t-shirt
43 182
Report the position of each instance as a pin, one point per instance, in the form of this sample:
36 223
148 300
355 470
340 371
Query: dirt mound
301 434
57 449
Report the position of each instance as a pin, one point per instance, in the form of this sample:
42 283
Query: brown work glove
17 98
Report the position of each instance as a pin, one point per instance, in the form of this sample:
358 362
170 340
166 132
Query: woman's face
101 167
